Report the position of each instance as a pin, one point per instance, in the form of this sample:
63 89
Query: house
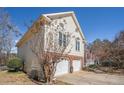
71 25
89 58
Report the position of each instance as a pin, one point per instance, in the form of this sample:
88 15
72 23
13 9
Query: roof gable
48 18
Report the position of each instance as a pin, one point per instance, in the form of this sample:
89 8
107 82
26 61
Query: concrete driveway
91 78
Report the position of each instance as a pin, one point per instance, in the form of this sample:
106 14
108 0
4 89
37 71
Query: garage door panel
76 65
62 68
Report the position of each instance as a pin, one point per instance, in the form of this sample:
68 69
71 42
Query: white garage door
62 68
76 65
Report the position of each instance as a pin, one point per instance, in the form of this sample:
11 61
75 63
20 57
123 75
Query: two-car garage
63 67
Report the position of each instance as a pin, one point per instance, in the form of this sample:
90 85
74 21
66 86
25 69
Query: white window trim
77 45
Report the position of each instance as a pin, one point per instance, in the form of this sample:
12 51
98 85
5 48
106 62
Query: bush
92 66
109 64
120 65
14 64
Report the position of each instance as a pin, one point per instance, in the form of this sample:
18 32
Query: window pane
64 40
77 46
60 38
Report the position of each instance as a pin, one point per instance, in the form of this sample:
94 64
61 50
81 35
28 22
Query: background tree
111 52
8 32
96 49
116 53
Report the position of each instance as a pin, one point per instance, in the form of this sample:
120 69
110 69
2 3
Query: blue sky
101 23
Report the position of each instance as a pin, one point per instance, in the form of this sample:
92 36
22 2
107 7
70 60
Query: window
60 38
77 47
50 39
64 40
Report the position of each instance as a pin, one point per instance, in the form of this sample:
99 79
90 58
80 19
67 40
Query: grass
20 78
14 78
62 83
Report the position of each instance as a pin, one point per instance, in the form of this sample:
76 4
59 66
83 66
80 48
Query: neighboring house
76 55
89 58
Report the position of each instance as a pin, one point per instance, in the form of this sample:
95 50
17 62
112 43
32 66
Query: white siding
71 28
28 57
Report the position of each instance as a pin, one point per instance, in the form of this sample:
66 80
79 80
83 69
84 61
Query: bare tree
116 53
56 47
8 32
97 49
111 52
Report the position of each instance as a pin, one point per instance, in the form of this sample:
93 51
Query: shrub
109 64
92 66
14 64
